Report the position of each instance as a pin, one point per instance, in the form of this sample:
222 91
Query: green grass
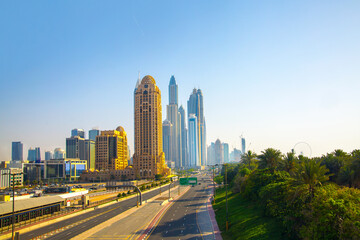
246 219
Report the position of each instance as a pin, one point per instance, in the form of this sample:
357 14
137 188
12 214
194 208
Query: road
86 221
187 217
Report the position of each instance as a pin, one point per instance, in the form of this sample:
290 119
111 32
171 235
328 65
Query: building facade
243 148
111 150
34 154
93 133
219 152
16 151
226 152
48 155
90 153
59 153
75 147
196 107
184 142
167 127
149 158
193 141
78 132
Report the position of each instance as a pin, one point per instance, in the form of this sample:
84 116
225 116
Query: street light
227 212
13 207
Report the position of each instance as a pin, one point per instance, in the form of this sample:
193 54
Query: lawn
246 219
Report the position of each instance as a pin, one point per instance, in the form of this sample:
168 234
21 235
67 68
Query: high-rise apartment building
184 143
211 154
196 107
167 127
90 153
75 147
48 155
16 151
111 150
78 132
193 138
149 158
93 133
226 152
173 115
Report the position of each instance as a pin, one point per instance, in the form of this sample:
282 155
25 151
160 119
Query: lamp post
227 212
13 205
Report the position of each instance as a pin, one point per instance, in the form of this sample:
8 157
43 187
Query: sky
275 72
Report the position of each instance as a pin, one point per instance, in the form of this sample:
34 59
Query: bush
129 192
123 194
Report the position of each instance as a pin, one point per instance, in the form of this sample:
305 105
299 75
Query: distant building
167 130
75 147
172 113
90 153
243 150
149 158
78 132
196 106
184 136
34 154
219 152
226 152
59 153
93 133
111 150
193 141
6 180
235 155
48 155
17 151
211 154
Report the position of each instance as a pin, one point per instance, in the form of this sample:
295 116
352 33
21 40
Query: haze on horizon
278 72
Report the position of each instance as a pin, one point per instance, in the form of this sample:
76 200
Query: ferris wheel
302 148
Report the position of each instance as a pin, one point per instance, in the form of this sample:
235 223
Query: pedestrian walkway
132 223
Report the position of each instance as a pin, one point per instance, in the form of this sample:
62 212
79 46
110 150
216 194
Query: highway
181 220
86 221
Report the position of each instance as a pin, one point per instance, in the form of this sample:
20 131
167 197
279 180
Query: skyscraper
196 106
93 133
37 154
226 152
75 147
193 141
172 113
183 132
149 158
219 152
78 132
111 150
17 151
243 145
48 155
31 154
167 127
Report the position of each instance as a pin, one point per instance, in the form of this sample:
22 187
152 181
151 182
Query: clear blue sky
278 72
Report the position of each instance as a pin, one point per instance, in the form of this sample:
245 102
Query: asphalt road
86 221
180 221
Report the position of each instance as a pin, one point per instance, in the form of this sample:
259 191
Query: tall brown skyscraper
149 158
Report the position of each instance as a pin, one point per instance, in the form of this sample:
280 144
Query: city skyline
278 74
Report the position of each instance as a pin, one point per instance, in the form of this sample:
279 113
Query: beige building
111 150
149 158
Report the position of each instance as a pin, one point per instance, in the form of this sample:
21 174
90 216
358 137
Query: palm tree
270 158
311 173
248 158
289 162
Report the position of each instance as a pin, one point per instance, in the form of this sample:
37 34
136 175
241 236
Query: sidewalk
132 223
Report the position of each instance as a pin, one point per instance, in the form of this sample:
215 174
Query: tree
289 162
269 158
158 177
248 158
311 173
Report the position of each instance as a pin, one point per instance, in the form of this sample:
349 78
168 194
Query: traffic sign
188 181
